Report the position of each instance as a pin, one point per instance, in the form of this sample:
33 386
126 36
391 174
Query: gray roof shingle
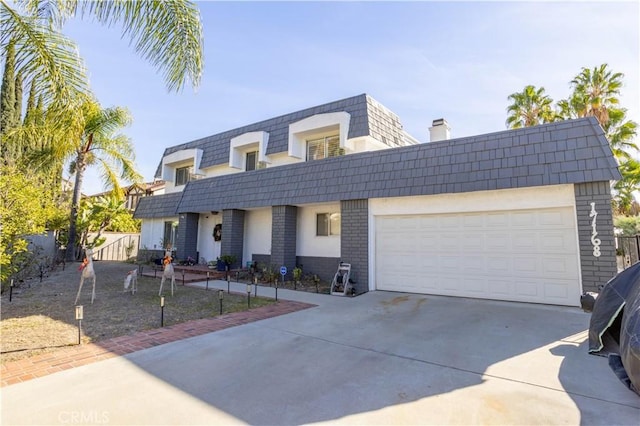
368 117
158 206
567 152
556 153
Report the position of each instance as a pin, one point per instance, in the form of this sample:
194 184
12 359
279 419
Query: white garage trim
518 245
504 199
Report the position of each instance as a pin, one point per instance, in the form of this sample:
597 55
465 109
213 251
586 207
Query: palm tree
98 214
166 33
529 108
595 92
96 143
624 199
621 133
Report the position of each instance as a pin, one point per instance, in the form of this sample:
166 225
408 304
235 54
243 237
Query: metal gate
629 249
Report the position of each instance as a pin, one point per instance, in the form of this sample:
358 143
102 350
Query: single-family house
134 192
518 215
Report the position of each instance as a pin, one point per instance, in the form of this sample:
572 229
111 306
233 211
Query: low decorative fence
118 246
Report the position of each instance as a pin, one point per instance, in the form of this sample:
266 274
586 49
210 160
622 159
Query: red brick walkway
76 356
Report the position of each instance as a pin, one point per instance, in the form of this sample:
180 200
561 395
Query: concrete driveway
380 358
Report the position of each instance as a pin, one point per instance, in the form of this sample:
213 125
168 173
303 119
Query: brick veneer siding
233 234
283 237
354 241
261 258
324 267
187 241
596 271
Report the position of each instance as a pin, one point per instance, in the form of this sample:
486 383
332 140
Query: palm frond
44 55
118 152
529 108
53 12
166 33
105 121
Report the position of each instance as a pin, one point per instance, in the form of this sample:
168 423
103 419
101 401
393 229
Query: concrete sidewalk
379 358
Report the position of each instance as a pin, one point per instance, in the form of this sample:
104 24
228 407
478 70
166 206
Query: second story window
251 161
182 175
326 147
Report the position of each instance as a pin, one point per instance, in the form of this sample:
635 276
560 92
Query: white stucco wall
257 233
307 243
207 247
479 201
152 232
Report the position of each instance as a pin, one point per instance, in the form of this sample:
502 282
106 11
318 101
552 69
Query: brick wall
354 241
324 267
187 241
233 234
596 271
283 237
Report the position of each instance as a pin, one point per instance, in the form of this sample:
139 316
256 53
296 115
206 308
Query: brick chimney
439 130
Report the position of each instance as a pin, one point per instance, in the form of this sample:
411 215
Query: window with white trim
170 235
325 147
182 175
327 224
251 162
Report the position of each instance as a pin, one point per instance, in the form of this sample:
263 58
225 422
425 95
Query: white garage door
525 255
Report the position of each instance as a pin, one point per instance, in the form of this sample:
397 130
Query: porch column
233 235
283 237
354 240
187 239
597 261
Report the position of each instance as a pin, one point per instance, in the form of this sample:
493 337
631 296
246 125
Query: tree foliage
166 33
96 142
8 91
529 108
104 213
23 212
629 225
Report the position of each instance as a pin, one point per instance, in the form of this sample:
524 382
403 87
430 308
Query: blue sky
423 60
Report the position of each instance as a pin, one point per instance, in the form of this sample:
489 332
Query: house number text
594 234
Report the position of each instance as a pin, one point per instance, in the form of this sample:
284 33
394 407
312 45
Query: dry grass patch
41 316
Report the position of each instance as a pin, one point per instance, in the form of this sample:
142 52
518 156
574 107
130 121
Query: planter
221 266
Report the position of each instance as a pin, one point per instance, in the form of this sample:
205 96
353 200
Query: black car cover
614 330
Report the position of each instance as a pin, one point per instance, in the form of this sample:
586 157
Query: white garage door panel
528 255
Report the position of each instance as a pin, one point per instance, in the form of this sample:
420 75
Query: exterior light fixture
79 317
162 311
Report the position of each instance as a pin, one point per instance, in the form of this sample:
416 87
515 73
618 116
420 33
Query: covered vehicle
614 330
